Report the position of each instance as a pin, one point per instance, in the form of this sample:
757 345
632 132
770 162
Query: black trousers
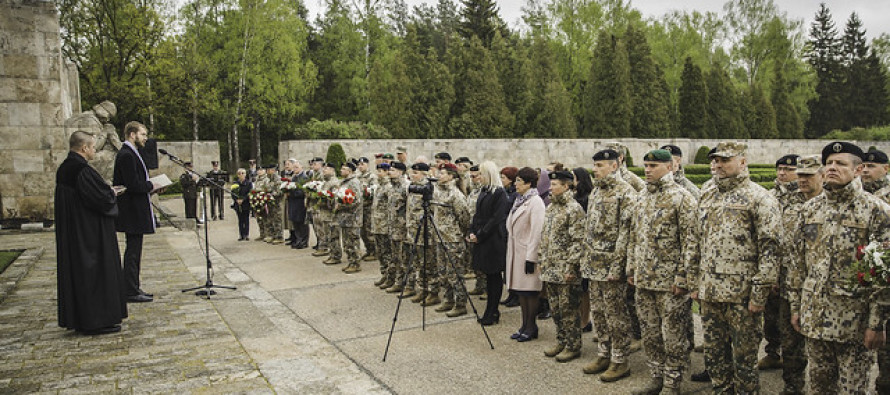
191 207
301 234
494 286
243 222
132 264
216 202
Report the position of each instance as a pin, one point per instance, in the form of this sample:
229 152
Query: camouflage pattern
396 216
681 180
367 180
732 337
612 315
664 321
564 301
351 236
312 210
272 223
879 188
385 251
379 220
629 177
413 215
562 239
260 217
794 361
450 271
838 368
452 219
607 228
326 217
425 269
424 264
350 216
663 239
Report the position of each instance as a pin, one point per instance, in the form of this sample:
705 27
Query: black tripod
207 288
423 227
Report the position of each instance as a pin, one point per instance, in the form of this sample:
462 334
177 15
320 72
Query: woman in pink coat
524 224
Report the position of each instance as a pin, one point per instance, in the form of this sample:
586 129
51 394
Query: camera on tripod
424 190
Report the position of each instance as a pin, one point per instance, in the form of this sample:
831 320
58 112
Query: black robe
89 274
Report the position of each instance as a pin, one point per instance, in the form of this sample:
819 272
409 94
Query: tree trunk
236 159
256 141
195 112
151 111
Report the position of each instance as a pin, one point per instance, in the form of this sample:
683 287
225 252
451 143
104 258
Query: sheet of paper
159 181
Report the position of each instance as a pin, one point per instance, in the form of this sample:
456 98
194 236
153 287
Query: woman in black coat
488 232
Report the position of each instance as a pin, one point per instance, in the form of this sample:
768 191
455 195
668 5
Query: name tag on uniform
610 200
664 205
851 224
737 206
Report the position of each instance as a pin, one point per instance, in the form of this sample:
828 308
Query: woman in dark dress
242 203
488 233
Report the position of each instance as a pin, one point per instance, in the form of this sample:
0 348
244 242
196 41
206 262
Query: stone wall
38 91
200 153
537 153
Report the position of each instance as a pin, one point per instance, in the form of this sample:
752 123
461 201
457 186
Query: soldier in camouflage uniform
315 174
841 320
739 227
560 254
368 179
610 207
874 181
325 212
628 176
272 185
260 213
680 175
380 226
664 246
401 246
348 218
424 259
452 220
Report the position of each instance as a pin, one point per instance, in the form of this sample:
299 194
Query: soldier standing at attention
272 186
560 255
424 260
628 176
664 240
334 235
398 198
609 212
874 174
368 179
315 174
260 212
380 226
189 183
349 218
324 215
740 225
216 194
452 219
841 322
679 174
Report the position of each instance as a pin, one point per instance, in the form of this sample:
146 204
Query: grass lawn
7 257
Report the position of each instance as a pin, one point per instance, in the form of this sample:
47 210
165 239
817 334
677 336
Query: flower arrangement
871 265
259 202
345 196
287 185
369 191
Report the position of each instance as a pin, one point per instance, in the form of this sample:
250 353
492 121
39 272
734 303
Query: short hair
133 127
557 166
240 170
528 175
510 172
79 139
490 171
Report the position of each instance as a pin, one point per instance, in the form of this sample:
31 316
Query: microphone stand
207 288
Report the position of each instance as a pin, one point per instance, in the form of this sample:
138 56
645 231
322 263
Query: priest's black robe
89 273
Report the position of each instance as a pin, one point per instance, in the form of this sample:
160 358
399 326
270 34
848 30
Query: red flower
873 272
861 277
860 252
284 179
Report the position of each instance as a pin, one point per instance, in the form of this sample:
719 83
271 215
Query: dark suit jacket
134 205
490 227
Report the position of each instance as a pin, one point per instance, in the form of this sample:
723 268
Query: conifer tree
607 103
514 73
480 18
826 110
650 106
391 96
550 114
788 121
723 108
485 115
748 113
692 108
764 115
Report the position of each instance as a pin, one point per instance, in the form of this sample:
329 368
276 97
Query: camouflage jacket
790 200
453 218
607 228
831 306
739 224
325 208
380 210
629 177
561 248
271 184
879 188
663 238
413 214
311 199
786 193
681 180
367 179
349 216
398 199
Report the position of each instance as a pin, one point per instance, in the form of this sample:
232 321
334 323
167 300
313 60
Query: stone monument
96 122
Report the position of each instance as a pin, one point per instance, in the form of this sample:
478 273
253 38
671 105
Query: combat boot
568 355
770 362
394 289
476 291
369 258
352 268
457 311
388 283
598 365
321 252
409 292
431 299
380 281
448 305
267 239
419 297
616 371
653 387
277 241
331 261
553 351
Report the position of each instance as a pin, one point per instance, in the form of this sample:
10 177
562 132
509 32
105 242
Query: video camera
424 190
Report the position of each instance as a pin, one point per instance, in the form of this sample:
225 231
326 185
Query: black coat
89 276
490 227
296 201
244 194
135 208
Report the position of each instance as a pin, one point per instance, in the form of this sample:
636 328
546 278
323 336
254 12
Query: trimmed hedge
698 174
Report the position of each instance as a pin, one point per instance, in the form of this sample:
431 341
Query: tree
431 90
865 97
485 115
764 115
825 57
511 58
335 155
607 101
339 53
693 103
788 121
391 98
550 113
479 18
650 106
723 109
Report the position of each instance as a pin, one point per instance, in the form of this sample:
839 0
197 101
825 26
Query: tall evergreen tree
723 108
514 73
480 18
878 113
550 114
764 115
339 54
787 120
865 95
748 112
391 96
485 115
693 103
650 105
432 92
607 102
826 110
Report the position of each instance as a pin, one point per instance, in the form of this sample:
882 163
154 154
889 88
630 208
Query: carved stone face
105 111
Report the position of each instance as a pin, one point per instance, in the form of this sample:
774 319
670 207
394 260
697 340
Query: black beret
420 166
363 160
317 159
331 165
399 165
658 155
606 154
788 160
350 165
443 155
712 152
384 166
673 149
272 166
875 156
463 159
840 147
564 174
353 160
474 168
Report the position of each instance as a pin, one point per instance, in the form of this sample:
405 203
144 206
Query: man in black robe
91 299
189 183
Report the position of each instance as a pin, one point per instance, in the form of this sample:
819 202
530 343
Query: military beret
384 166
673 149
399 166
606 154
388 156
331 165
809 164
378 155
875 156
401 148
474 168
728 149
443 156
658 155
350 165
463 159
788 160
272 166
621 149
840 147
214 162
353 161
448 166
363 160
712 151
561 175
420 166
316 159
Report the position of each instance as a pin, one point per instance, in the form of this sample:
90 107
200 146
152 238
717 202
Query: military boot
553 351
387 283
635 345
277 240
409 292
457 311
770 362
653 387
352 268
369 258
321 252
380 281
431 299
598 365
419 297
267 239
447 305
331 261
616 371
394 289
476 291
567 355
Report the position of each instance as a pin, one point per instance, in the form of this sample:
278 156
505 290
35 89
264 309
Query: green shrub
638 171
336 155
629 159
701 156
332 130
767 184
697 169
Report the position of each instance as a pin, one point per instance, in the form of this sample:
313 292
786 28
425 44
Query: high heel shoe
517 334
524 337
490 320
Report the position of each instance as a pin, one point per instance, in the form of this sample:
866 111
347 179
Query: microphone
164 152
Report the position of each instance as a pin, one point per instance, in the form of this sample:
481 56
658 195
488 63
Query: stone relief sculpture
108 142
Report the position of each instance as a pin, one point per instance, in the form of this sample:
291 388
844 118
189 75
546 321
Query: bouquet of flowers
312 189
287 185
345 196
369 191
258 202
871 265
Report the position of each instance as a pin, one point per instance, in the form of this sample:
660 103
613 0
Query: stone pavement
293 325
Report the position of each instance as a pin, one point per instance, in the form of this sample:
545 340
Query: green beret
658 155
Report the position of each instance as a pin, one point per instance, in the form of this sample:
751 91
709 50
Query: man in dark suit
135 217
220 177
189 183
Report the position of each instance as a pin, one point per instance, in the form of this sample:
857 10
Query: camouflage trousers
368 238
425 272
384 253
663 320
793 356
399 264
333 240
272 222
261 224
611 314
564 301
883 380
451 271
350 239
838 368
732 339
772 332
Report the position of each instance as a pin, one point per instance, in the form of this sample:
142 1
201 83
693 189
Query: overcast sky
875 14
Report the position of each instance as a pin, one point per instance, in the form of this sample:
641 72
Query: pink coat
524 228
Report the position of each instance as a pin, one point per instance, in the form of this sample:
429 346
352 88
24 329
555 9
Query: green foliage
787 120
764 116
336 155
8 257
607 102
485 114
550 113
629 159
337 130
701 157
880 133
649 103
693 104
723 109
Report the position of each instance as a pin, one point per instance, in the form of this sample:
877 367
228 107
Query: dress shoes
141 292
139 298
103 331
524 337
